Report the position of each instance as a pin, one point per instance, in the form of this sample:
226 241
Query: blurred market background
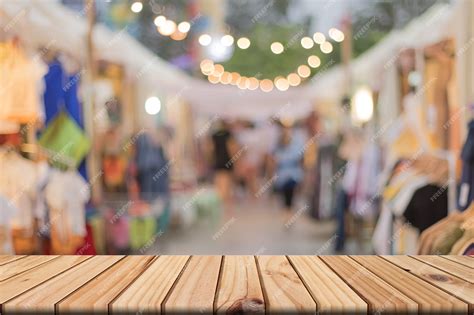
235 127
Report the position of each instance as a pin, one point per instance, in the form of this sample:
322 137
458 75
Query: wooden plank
30 279
239 289
449 283
283 289
380 295
196 287
430 299
332 295
147 293
95 296
449 266
6 259
44 297
22 265
463 260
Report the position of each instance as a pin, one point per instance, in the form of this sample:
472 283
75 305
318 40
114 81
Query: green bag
64 141
142 233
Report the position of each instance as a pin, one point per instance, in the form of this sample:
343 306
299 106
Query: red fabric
87 248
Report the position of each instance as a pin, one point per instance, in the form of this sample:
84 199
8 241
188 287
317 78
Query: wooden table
145 284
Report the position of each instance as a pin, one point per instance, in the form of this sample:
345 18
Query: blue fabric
61 93
152 168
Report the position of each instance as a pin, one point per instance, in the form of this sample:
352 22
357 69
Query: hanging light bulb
281 84
326 47
235 78
218 70
205 39
243 43
304 71
227 40
266 85
213 79
253 84
319 38
225 78
207 66
159 20
153 105
136 7
293 79
336 34
277 48
307 43
177 35
243 83
168 28
362 108
314 61
184 27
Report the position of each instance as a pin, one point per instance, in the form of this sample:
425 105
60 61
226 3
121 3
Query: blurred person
287 163
224 147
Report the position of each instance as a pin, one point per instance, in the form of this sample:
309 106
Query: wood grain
449 266
147 293
283 289
463 260
381 296
19 284
95 296
43 297
239 288
329 291
449 283
22 265
430 299
196 287
9 258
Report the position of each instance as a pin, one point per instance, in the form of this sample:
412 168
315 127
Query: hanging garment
21 85
466 192
65 140
361 182
428 205
61 93
7 213
19 185
117 225
465 245
152 168
66 195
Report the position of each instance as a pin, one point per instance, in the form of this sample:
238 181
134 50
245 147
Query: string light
218 70
336 34
159 20
168 28
234 78
243 83
205 39
307 43
184 27
227 40
277 48
152 105
281 84
177 35
253 84
319 38
314 61
213 79
243 43
293 79
266 85
136 7
226 77
326 47
304 71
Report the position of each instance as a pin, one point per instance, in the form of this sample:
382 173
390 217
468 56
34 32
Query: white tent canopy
48 23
